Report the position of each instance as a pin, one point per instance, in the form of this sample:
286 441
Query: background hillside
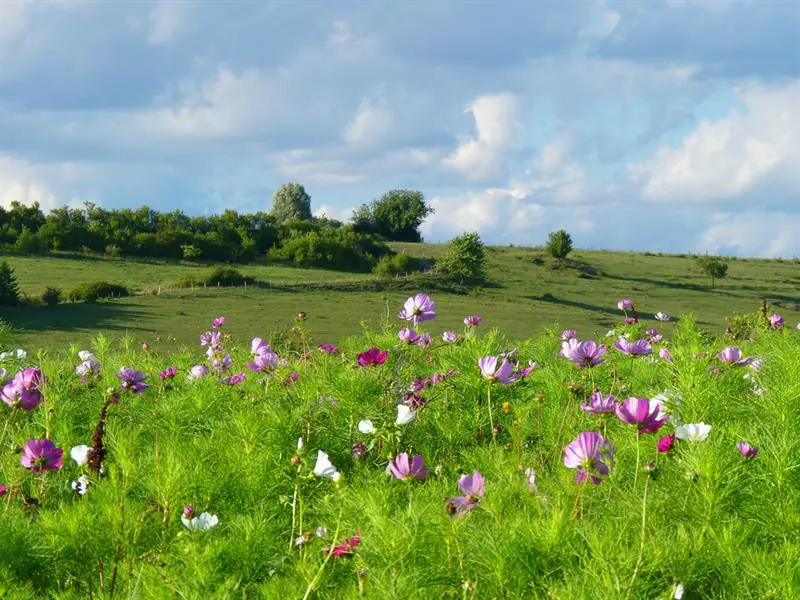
523 295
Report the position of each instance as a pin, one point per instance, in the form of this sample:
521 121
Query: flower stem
294 507
641 538
491 416
8 422
636 474
314 581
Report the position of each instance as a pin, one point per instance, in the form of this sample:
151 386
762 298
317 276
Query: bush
95 290
343 249
397 264
559 244
9 289
227 277
52 296
464 260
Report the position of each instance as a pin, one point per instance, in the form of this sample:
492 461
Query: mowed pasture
523 297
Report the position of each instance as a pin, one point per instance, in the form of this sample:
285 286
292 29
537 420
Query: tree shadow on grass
695 287
106 315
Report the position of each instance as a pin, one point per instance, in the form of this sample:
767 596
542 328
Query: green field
522 298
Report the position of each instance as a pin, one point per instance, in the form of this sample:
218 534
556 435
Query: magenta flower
665 443
24 391
234 379
372 357
217 323
625 304
637 348
733 356
746 450
418 309
642 413
775 321
213 339
327 348
525 371
168 373
653 336
472 488
665 355
631 320
450 337
402 469
490 370
198 372
592 456
221 365
41 455
583 354
568 334
3 490
599 404
472 320
345 549
409 336
131 380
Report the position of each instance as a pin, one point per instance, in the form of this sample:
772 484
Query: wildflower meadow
647 463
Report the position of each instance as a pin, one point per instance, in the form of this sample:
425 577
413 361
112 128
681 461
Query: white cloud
496 125
752 234
332 212
370 125
166 19
27 183
733 155
12 19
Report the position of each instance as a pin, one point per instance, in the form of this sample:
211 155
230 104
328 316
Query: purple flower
642 413
415 401
327 348
293 377
631 320
41 455
372 357
88 369
234 379
425 340
409 336
775 321
213 339
24 390
168 373
665 355
583 354
660 316
653 336
221 365
625 304
525 371
733 356
418 309
198 372
450 337
131 380
568 334
598 404
472 320
665 443
472 488
490 370
264 358
746 450
217 323
402 469
637 348
592 456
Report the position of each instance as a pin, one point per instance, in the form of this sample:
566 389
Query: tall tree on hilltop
291 201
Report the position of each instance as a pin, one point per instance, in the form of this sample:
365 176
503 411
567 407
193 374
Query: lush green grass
522 299
725 526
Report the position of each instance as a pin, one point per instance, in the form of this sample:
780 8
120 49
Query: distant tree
559 244
713 266
190 251
52 296
464 259
395 216
291 201
9 289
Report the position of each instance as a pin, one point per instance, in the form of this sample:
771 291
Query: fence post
159 291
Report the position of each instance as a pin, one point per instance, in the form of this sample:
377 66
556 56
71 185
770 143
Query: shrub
342 248
464 260
113 250
713 266
190 251
227 277
95 290
559 244
9 289
52 296
397 264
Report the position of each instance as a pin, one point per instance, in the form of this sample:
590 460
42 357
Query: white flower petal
324 468
405 415
80 454
366 426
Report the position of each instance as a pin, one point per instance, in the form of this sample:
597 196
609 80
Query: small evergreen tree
52 296
464 259
713 266
291 201
559 244
9 289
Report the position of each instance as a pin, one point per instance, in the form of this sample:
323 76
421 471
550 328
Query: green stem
314 581
491 416
636 474
8 422
294 507
641 538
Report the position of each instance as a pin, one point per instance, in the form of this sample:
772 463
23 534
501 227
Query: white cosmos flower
81 485
85 355
80 454
693 432
19 353
324 468
678 594
202 523
366 426
405 415
299 444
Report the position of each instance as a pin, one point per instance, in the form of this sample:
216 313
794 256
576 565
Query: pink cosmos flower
746 450
631 320
450 337
665 443
665 355
472 321
217 323
264 358
234 379
221 365
41 455
409 336
775 321
642 413
198 372
418 309
372 357
733 356
168 373
598 404
592 456
625 304
660 316
345 549
583 354
3 490
472 486
327 348
88 369
490 370
425 340
132 380
402 469
24 391
637 348
568 334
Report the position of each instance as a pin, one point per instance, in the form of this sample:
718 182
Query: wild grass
722 525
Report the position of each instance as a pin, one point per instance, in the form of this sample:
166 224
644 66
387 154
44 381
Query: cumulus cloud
166 19
752 234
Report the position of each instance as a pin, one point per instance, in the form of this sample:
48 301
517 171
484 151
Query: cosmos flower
568 334
405 415
664 354
642 413
235 379
203 522
132 380
168 373
372 357
324 468
24 391
660 316
592 456
693 432
472 486
198 372
625 304
89 368
637 348
450 337
491 371
264 358
583 354
19 354
327 348
598 404
366 426
221 365
631 320
402 469
41 455
733 356
80 485
746 450
425 340
345 549
472 320
775 321
217 323
80 454
418 309
409 336
665 443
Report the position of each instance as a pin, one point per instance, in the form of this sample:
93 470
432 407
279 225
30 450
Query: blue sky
669 126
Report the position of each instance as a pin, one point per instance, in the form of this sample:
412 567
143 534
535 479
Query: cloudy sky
650 125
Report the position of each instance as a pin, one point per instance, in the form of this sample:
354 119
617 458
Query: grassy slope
525 299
